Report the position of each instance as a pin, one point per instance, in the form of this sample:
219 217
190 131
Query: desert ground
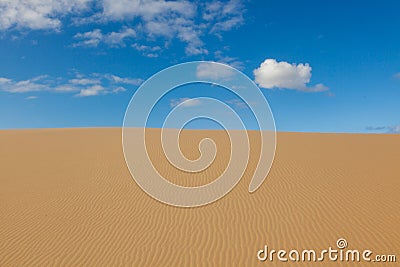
67 199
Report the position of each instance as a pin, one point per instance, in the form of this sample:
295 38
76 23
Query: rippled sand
67 198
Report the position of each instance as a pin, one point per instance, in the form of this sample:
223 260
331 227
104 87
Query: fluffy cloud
94 84
184 20
37 14
213 71
274 74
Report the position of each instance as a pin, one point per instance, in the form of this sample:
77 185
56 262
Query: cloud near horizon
388 129
273 74
80 85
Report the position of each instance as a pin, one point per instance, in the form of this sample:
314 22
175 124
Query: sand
68 199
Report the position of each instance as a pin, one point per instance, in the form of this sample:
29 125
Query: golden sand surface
68 199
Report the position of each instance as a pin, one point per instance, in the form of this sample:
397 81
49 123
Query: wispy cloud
91 91
375 128
397 75
239 103
223 15
81 85
186 102
84 81
387 129
30 85
231 61
153 19
95 37
274 74
121 80
147 50
4 80
213 71
394 129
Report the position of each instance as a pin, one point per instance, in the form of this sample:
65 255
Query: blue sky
324 66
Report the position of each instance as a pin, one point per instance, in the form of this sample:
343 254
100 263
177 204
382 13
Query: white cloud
167 19
91 85
91 38
231 61
274 74
37 14
149 20
31 85
224 15
118 89
237 103
188 34
66 88
397 75
4 80
120 80
213 71
32 97
148 51
91 91
84 81
95 37
118 38
317 88
128 9
140 47
186 102
151 55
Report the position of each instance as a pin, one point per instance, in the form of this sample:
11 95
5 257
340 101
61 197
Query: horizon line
202 129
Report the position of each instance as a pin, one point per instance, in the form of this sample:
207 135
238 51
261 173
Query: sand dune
67 199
